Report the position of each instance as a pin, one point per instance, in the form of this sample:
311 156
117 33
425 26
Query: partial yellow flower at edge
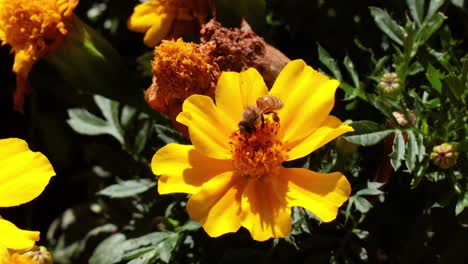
237 179
32 29
23 176
165 19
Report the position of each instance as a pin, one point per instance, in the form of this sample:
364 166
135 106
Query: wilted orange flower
23 176
166 19
32 29
236 178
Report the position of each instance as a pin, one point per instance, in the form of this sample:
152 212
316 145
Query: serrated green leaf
461 204
416 8
422 148
434 6
109 251
127 188
388 25
329 62
412 151
434 77
362 204
148 257
142 136
428 28
367 133
398 152
85 123
454 85
349 65
167 247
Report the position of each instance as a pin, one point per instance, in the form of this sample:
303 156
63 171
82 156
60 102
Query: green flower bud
445 155
36 255
389 84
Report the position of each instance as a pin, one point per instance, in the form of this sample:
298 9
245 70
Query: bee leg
263 120
275 117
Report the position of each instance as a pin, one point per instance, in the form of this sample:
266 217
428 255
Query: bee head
246 127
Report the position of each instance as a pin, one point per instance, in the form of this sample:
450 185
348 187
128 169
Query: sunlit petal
217 205
330 129
236 91
23 174
207 126
159 30
14 238
184 170
322 194
264 214
308 97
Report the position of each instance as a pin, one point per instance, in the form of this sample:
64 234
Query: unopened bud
389 84
36 255
445 155
401 118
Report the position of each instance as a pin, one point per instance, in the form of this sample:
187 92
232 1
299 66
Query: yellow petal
330 129
319 193
159 30
14 238
183 169
308 97
4 255
236 91
23 174
217 205
207 125
263 213
153 18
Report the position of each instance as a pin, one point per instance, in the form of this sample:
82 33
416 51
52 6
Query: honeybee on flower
237 179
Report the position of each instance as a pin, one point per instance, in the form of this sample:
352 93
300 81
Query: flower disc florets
260 153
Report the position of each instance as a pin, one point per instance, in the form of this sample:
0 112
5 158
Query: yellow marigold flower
237 179
23 176
32 29
165 19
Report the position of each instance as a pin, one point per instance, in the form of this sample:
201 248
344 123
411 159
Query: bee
252 115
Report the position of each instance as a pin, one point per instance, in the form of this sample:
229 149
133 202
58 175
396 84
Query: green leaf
329 62
109 251
127 188
422 148
85 123
412 151
416 8
454 84
428 28
388 25
398 153
461 204
362 205
434 6
367 133
434 77
348 63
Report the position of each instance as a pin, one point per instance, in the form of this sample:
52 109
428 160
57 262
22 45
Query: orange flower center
260 153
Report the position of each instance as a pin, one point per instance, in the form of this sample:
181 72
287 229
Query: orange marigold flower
166 19
32 29
236 176
179 70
